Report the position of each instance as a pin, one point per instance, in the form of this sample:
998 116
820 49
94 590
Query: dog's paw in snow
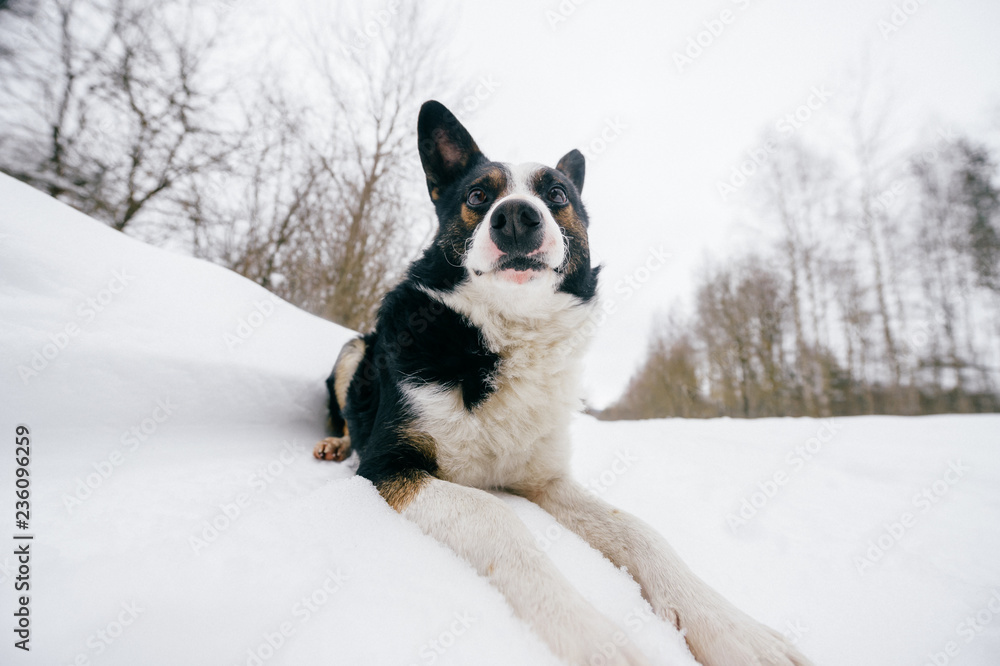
333 448
739 640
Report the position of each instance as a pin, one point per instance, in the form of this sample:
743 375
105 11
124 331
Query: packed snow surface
178 517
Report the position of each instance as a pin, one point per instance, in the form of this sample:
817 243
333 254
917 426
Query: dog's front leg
717 632
489 535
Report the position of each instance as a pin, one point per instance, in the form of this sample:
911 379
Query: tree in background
804 331
669 382
108 105
301 182
980 198
799 190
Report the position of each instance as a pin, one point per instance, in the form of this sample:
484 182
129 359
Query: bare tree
373 172
322 202
955 239
108 105
668 384
799 190
869 122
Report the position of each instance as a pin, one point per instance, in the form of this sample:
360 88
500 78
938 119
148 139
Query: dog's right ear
446 147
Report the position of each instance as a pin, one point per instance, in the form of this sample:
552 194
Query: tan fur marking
400 490
571 224
421 441
470 218
497 180
345 367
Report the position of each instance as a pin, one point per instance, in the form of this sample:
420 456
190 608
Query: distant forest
880 293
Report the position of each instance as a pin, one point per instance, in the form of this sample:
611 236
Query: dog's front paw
604 643
333 448
738 640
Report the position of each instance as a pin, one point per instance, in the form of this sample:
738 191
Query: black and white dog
468 384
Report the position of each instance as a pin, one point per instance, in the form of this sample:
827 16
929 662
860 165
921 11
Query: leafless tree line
295 176
880 296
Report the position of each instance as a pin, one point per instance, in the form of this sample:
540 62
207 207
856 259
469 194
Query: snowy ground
178 517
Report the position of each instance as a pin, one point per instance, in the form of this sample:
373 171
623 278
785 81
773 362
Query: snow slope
179 518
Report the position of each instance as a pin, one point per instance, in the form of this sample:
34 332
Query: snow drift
179 518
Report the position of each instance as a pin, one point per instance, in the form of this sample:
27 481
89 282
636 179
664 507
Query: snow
179 518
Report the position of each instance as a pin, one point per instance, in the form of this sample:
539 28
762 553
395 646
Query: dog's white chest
517 436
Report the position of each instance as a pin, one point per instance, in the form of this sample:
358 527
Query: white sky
655 185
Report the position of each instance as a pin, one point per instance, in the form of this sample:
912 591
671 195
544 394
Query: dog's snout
521 212
517 226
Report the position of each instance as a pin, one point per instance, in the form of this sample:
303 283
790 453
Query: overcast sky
667 98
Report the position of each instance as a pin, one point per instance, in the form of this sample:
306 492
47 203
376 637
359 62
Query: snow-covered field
179 518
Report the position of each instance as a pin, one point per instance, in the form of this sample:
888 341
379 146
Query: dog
468 384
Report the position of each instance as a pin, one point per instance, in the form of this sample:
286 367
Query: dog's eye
557 195
476 197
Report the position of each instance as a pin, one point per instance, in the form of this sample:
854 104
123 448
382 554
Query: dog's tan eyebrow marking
494 179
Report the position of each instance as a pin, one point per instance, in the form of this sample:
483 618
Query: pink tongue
518 277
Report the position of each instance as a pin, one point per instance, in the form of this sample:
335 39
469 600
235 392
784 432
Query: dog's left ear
446 147
573 165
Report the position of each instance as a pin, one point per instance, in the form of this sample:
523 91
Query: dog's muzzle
516 228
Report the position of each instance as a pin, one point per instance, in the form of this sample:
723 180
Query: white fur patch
518 436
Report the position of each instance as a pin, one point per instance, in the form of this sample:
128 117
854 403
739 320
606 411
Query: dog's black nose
517 227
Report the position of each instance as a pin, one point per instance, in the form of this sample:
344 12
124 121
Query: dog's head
513 227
